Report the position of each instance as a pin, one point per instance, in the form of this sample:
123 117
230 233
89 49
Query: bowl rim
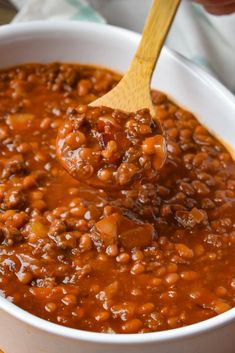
39 28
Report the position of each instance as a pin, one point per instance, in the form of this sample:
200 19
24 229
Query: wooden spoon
133 91
116 141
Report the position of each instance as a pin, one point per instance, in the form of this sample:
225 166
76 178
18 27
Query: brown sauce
154 256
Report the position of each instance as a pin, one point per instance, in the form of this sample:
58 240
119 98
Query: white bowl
213 104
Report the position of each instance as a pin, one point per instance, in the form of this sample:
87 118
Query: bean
24 148
123 258
78 211
45 123
25 277
51 307
132 326
189 275
85 242
220 306
146 308
29 182
137 255
39 205
112 250
105 174
184 251
172 267
137 268
102 316
69 299
172 278
84 87
79 313
221 291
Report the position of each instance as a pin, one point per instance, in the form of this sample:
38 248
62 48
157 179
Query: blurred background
7 11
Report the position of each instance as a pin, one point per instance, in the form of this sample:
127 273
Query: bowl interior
113 48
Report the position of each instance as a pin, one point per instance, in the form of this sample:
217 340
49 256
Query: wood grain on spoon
133 91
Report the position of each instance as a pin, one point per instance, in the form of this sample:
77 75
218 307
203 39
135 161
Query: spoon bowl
120 140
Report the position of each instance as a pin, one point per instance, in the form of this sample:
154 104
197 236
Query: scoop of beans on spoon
117 138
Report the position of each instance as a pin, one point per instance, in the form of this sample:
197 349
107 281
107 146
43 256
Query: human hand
218 7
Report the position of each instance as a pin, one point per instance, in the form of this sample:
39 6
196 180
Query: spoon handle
155 30
132 93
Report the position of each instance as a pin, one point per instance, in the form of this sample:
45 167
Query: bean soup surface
149 257
109 148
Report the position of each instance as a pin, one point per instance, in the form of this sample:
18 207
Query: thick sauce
148 258
109 148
